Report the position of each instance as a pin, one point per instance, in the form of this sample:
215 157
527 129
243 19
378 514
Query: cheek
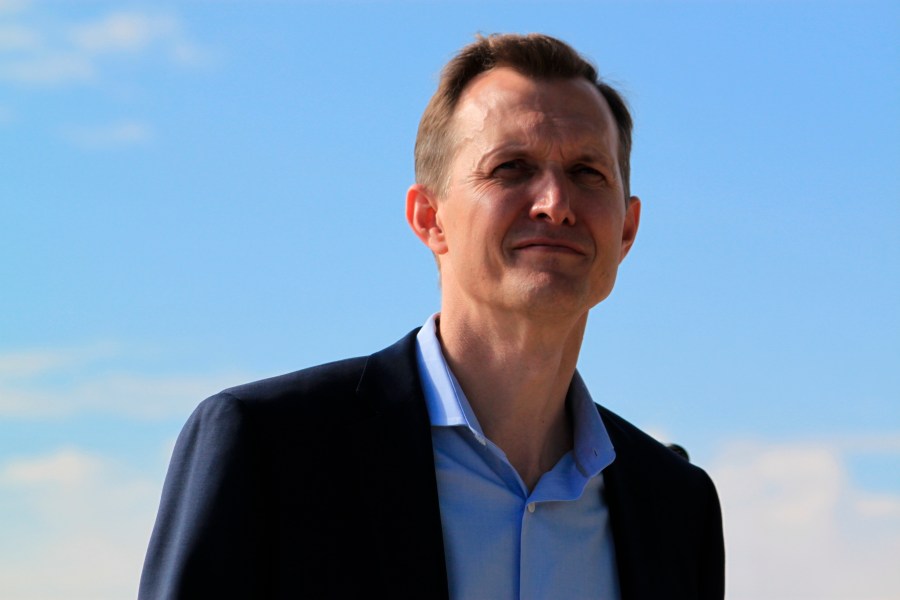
607 229
489 218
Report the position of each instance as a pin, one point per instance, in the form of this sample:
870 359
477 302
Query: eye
510 165
588 175
512 169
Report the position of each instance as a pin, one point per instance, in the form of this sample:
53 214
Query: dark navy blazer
321 484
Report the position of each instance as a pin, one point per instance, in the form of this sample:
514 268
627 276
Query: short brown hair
533 55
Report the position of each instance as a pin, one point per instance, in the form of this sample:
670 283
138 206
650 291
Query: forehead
504 106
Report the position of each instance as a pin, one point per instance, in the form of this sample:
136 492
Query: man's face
533 219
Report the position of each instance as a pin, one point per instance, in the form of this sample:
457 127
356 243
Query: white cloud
15 37
189 54
124 31
106 53
112 135
29 363
66 469
12 6
43 51
798 528
75 526
58 383
869 444
128 394
49 69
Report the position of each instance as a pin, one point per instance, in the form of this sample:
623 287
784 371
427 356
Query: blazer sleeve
206 540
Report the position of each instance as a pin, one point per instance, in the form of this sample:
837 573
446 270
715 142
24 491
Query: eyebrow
609 163
594 155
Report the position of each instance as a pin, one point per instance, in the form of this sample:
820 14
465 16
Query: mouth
550 245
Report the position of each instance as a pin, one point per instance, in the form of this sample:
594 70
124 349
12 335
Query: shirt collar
448 406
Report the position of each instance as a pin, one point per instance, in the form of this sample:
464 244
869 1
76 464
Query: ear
630 226
422 216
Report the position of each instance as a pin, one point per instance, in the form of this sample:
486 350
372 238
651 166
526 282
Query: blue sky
197 194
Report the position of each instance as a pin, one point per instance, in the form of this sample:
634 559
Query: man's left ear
630 226
422 216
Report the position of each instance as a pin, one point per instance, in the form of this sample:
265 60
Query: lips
550 244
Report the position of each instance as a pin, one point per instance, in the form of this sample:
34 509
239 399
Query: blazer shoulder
644 454
307 394
320 394
337 377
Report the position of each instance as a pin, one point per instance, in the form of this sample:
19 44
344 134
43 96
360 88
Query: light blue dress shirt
500 540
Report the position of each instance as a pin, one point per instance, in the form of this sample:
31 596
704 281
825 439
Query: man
468 459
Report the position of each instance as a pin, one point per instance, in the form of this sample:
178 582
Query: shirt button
531 507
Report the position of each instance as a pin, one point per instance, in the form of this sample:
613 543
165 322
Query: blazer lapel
397 470
665 519
635 545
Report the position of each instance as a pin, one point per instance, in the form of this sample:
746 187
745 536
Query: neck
515 373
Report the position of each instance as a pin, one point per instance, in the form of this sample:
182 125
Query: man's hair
534 55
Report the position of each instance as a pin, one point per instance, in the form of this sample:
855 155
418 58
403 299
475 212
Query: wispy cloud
43 53
49 69
26 364
46 52
798 527
12 6
67 468
124 32
18 38
75 525
112 135
100 379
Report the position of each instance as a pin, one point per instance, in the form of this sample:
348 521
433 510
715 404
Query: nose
551 199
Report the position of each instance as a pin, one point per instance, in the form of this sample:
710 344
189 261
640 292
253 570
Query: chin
558 297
